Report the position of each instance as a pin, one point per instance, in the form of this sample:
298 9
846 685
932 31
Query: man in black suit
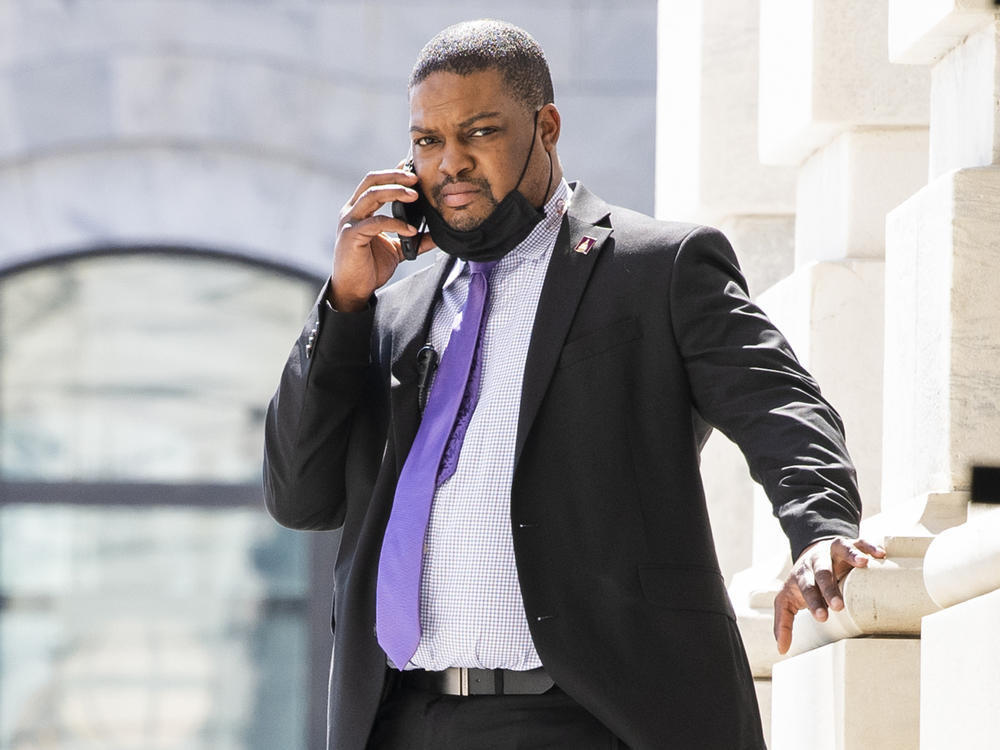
570 594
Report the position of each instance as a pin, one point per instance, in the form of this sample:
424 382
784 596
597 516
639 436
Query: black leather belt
463 681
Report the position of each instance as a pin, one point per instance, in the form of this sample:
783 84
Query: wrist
344 302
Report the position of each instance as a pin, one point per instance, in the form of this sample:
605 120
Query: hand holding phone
365 256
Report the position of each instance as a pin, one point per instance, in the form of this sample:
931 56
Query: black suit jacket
638 345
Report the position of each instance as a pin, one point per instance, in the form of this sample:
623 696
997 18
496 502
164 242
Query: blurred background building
170 177
171 173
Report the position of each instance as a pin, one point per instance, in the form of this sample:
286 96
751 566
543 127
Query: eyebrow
463 124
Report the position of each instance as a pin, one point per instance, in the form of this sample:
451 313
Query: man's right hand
364 257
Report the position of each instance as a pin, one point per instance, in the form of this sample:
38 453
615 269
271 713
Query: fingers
383 177
365 230
829 593
868 548
374 198
786 604
853 553
814 582
804 578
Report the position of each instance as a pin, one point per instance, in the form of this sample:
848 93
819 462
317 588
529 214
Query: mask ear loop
534 132
524 169
549 186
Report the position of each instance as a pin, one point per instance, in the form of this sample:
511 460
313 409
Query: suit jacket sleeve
311 417
746 381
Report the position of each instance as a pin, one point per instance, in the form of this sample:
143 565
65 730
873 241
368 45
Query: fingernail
820 615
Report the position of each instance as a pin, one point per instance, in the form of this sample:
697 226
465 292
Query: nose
455 159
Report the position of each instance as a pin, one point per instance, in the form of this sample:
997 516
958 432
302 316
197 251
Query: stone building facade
855 144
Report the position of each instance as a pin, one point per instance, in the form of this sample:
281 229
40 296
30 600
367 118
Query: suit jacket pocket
597 342
686 587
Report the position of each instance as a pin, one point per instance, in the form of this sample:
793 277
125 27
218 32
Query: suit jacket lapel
565 281
411 323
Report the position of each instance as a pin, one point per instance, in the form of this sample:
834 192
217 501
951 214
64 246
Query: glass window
136 625
152 367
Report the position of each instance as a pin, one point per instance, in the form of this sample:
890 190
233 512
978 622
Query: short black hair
487 44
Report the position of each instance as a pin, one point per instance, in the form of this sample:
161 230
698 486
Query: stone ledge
888 598
964 562
921 32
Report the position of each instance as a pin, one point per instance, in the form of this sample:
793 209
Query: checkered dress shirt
471 611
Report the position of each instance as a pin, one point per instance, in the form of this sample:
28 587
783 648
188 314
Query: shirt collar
539 241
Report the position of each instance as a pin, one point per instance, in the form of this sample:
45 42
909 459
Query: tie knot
483 267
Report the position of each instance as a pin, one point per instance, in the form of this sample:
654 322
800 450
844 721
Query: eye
484 131
425 140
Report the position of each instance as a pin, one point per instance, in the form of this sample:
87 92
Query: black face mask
504 229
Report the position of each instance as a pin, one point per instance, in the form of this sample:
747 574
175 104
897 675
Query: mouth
459 194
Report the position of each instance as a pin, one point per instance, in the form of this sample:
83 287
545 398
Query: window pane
144 367
140 629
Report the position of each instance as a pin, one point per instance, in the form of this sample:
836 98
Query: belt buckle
455 681
465 681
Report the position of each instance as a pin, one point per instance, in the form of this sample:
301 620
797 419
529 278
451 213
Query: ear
549 125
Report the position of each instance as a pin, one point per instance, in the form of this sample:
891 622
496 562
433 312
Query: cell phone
411 214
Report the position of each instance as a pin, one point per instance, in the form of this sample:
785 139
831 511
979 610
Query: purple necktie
432 460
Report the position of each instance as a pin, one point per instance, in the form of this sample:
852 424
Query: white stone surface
922 31
824 69
942 359
764 245
964 562
960 676
729 493
319 83
184 196
850 695
847 187
61 102
707 166
965 84
831 313
922 516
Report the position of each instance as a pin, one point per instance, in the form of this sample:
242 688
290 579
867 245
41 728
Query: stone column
943 357
855 125
942 398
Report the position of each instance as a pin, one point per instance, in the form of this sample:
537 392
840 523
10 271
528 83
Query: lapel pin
585 245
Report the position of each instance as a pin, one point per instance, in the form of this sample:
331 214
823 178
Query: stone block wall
879 121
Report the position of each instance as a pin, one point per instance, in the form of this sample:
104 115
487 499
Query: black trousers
413 719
